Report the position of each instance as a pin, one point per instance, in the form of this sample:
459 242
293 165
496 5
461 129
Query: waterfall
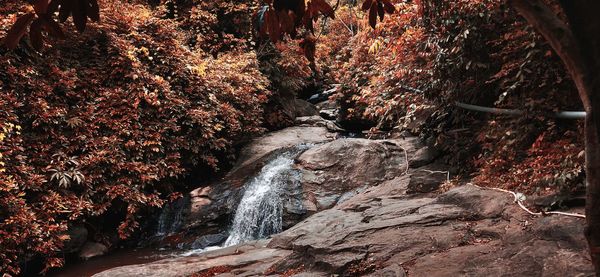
171 218
259 213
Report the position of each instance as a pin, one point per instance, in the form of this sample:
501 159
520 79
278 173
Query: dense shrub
432 53
112 119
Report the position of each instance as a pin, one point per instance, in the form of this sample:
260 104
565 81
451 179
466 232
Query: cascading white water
260 211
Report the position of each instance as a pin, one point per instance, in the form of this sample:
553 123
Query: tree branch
562 40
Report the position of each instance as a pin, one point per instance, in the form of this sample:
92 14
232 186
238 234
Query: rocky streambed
360 207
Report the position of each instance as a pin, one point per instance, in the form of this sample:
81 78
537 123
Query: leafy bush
432 53
112 119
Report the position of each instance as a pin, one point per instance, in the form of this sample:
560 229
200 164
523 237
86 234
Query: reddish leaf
272 25
324 8
53 28
93 10
286 21
308 45
53 6
40 6
373 16
66 7
367 5
18 30
80 14
35 34
299 11
388 6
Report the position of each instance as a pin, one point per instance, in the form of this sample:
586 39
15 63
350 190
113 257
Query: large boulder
331 172
254 155
211 207
294 107
337 170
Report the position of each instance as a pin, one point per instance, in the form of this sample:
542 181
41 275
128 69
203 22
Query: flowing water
260 211
170 220
258 215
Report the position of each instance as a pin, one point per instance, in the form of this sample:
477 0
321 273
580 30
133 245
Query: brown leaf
65 9
286 21
388 6
308 45
308 23
18 30
272 25
53 28
380 10
324 8
53 6
35 34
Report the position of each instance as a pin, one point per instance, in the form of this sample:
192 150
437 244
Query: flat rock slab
467 231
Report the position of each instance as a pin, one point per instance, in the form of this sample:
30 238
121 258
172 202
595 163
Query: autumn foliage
111 120
407 72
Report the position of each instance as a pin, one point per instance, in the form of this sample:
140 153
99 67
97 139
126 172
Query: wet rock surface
92 249
374 215
332 171
211 207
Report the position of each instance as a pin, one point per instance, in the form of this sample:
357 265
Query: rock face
467 231
375 215
332 171
211 207
253 156
231 261
336 170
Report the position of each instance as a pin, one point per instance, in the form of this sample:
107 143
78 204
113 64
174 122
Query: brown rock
467 231
345 165
92 249
211 206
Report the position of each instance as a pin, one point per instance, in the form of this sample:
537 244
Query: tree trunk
592 171
578 45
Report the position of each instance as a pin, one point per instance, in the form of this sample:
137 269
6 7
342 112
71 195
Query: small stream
258 215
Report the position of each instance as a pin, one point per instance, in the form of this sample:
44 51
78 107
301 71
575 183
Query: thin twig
344 23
